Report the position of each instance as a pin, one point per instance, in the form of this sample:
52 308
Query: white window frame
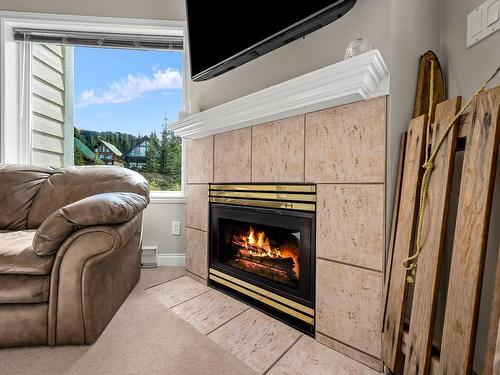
15 133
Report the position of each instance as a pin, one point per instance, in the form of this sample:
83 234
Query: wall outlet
483 21
176 228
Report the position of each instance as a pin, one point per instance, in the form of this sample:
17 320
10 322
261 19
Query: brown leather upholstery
68 185
17 256
24 288
87 252
23 324
15 203
107 208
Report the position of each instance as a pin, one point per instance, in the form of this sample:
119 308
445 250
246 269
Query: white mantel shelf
363 77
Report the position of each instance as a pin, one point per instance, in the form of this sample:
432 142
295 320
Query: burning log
281 264
256 249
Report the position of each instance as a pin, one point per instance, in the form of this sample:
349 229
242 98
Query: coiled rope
410 263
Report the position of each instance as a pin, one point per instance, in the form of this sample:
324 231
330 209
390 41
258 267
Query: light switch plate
492 13
483 21
475 23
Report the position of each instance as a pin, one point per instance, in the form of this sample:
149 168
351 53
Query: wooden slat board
393 327
429 262
395 212
492 357
422 97
469 245
465 122
433 367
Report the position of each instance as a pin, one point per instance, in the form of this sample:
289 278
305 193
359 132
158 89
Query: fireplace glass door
266 251
270 248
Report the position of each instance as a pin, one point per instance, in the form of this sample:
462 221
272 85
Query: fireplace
262 247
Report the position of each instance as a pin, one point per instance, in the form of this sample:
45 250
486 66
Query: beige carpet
143 338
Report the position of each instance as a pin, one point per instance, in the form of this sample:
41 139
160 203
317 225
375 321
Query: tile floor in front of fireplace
264 344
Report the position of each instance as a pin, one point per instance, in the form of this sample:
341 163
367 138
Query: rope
410 263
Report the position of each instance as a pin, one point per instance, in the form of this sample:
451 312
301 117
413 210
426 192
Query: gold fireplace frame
276 301
301 197
289 197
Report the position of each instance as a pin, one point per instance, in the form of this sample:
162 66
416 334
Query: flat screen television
226 34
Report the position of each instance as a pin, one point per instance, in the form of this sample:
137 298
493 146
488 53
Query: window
124 111
123 102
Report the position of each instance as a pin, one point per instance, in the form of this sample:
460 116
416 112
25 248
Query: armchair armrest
99 209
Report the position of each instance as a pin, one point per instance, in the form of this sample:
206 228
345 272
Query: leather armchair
70 249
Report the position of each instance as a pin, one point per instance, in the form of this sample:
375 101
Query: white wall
414 30
368 19
158 219
149 9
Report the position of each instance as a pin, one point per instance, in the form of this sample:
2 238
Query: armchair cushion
99 209
24 288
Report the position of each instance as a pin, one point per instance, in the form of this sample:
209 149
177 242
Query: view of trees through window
157 158
123 100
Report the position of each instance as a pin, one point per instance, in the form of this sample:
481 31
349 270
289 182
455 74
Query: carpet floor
143 338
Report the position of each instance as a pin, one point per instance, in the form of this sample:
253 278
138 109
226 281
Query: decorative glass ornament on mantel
357 47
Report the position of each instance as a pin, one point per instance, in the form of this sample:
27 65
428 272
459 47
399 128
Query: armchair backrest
31 194
19 185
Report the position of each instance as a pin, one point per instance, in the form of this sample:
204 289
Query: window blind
108 40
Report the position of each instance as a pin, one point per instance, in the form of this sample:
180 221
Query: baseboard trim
172 260
351 352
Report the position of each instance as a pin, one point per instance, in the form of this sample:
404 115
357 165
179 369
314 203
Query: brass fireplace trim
262 292
268 204
265 300
265 187
259 195
290 197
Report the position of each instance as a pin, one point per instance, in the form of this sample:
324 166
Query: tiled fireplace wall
342 150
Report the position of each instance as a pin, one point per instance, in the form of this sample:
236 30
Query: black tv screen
225 34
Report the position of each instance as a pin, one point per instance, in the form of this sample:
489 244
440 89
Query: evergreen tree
78 158
152 154
170 156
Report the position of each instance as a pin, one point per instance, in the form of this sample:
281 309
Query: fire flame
260 245
257 244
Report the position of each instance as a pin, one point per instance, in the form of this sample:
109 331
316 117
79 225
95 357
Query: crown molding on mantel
360 78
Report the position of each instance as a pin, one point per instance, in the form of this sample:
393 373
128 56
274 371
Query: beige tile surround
342 150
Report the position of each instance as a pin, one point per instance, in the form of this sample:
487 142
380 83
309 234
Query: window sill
167 197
